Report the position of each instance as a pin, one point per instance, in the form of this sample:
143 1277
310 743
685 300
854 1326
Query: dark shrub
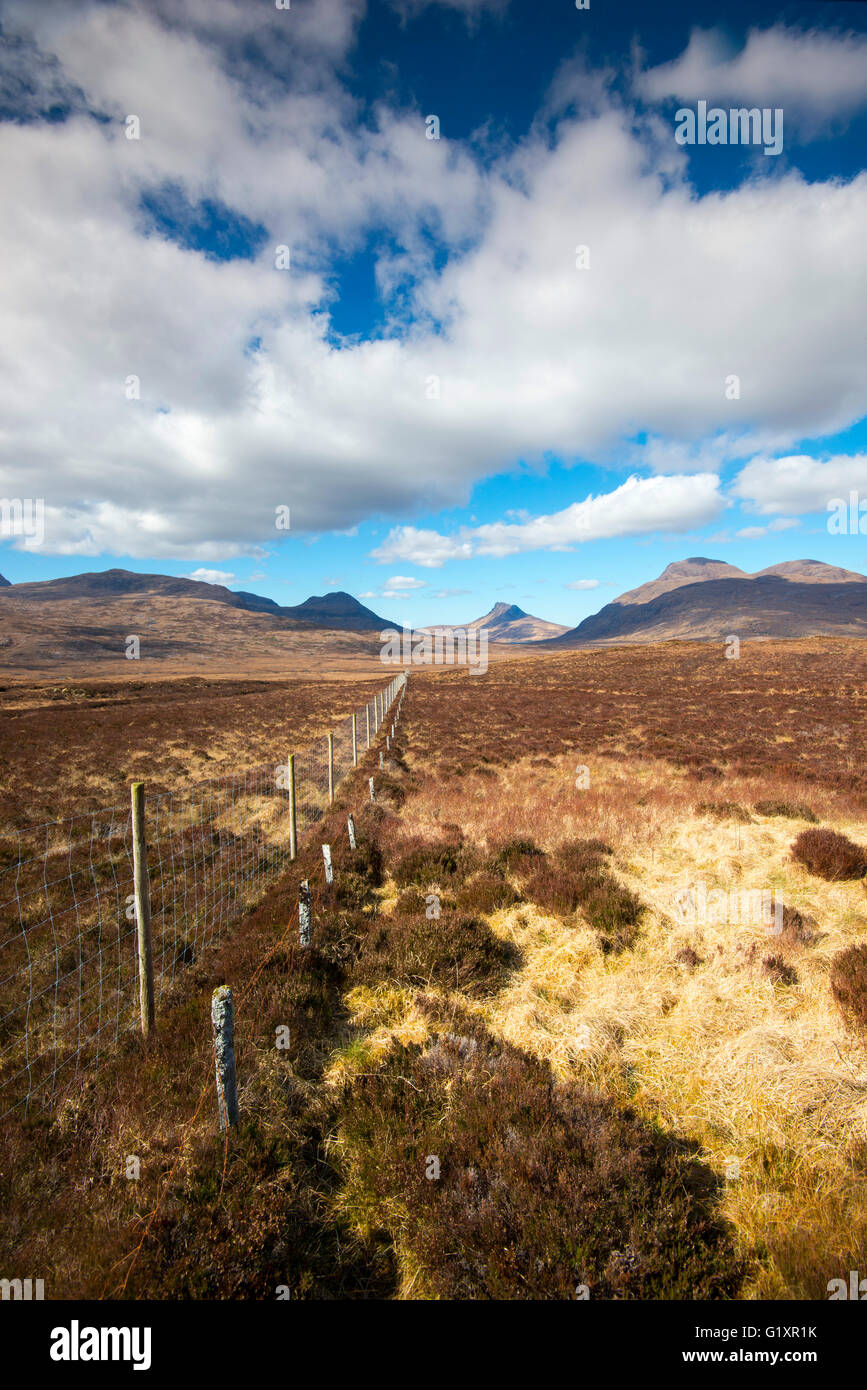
389 789
578 877
798 930
556 890
724 810
579 856
688 957
777 970
849 985
793 810
455 952
411 901
615 913
429 863
366 860
350 890
541 1186
486 892
830 855
514 854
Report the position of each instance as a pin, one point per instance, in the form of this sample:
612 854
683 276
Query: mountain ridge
337 610
798 598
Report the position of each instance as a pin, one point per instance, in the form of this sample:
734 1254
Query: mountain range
86 618
698 599
336 610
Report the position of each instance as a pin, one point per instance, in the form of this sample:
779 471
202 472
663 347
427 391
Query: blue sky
281 293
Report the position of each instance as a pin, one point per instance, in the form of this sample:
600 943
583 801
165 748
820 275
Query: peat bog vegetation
515 1068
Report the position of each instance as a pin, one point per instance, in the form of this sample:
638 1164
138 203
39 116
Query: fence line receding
69 975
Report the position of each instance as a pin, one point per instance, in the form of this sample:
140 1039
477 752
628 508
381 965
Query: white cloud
535 358
400 581
799 483
751 533
816 73
582 584
213 576
638 506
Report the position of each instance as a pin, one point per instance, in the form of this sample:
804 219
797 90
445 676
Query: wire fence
69 970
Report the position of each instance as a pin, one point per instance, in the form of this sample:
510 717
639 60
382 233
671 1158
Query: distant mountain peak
705 599
503 612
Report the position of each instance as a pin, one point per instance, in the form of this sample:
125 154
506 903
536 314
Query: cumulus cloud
247 400
816 73
401 581
639 505
799 483
213 576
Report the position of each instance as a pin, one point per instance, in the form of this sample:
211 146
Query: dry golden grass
764 1076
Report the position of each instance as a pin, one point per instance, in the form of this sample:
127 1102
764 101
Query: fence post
293 821
367 713
350 825
380 757
330 769
223 1021
354 740
370 784
304 913
141 884
329 868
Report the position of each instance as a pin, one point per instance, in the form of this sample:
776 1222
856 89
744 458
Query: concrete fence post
141 884
350 826
304 913
380 757
367 714
223 1021
293 810
330 769
355 740
329 867
370 784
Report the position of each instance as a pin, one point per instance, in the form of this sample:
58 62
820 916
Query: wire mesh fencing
69 968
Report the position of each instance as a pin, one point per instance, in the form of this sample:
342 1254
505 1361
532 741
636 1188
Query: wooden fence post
329 867
223 1021
304 913
330 769
350 825
354 741
367 713
293 820
141 884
